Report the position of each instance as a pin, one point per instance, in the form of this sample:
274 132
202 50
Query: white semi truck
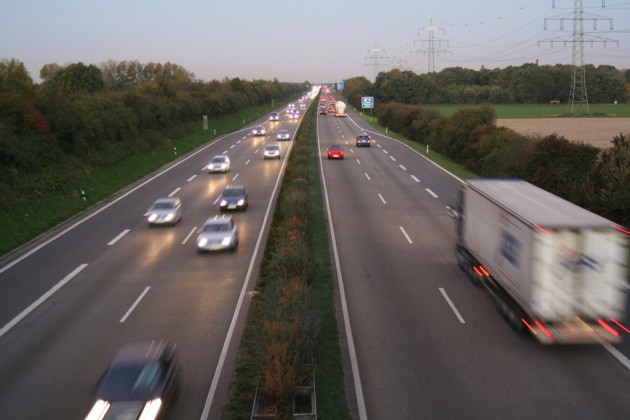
340 109
556 270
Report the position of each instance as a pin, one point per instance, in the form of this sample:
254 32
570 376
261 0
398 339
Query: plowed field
596 131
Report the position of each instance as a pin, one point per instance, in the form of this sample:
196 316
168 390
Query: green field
544 111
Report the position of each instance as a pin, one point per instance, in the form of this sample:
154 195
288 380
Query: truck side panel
501 242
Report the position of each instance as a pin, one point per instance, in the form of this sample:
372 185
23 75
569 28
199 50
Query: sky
315 41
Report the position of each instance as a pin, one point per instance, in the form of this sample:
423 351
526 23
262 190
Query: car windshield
218 160
133 377
272 147
284 131
216 227
363 138
335 147
163 205
232 192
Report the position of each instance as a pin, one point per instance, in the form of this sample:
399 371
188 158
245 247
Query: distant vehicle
259 131
234 197
294 115
219 163
555 269
140 382
283 135
335 152
165 211
291 105
340 109
217 234
272 151
274 116
322 110
302 105
363 140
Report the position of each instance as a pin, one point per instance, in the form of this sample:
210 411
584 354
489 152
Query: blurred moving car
363 140
335 152
217 234
220 163
234 197
322 110
272 151
283 135
140 382
165 211
259 131
274 116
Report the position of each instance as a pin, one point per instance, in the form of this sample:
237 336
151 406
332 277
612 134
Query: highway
427 342
72 298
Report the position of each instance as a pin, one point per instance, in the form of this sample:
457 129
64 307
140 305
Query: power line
578 95
376 57
431 41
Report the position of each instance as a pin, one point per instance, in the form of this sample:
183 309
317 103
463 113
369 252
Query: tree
14 78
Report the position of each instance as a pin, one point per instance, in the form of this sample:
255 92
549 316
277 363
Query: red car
335 152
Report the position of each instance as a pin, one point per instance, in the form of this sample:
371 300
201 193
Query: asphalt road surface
429 344
70 300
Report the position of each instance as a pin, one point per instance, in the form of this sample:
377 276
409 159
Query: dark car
234 197
363 140
140 382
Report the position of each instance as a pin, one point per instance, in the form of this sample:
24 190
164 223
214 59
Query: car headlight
170 217
152 217
98 411
226 241
151 409
201 242
241 202
223 203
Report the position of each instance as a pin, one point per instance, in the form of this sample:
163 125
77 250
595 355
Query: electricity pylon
376 57
431 41
578 96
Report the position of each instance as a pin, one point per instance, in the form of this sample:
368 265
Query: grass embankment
35 211
291 330
544 110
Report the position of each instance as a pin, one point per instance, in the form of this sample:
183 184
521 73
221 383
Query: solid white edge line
132 307
108 205
453 308
406 236
117 238
248 277
344 305
41 300
175 191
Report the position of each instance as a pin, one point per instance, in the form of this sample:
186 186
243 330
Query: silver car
165 211
283 135
217 234
272 151
220 163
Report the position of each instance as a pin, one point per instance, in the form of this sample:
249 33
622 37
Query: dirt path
596 131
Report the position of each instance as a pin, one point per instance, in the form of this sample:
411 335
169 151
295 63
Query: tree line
82 117
525 84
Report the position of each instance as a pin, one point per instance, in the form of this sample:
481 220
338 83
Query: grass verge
35 211
283 300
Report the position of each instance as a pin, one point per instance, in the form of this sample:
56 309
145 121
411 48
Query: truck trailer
340 109
555 269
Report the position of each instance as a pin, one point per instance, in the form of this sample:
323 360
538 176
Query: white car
217 234
165 211
220 163
272 151
283 135
259 131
